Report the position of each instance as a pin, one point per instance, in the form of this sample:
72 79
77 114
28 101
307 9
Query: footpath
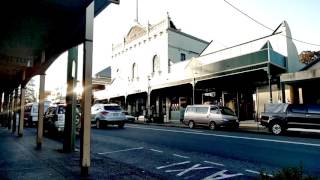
20 160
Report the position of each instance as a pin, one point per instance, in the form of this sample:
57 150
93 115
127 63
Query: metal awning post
87 92
70 118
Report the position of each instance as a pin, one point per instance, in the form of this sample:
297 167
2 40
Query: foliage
30 91
288 173
307 57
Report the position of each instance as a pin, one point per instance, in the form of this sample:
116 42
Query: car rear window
112 108
227 111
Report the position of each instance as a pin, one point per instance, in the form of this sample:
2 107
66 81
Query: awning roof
300 76
31 27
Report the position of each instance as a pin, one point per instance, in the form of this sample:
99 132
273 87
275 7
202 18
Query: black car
279 117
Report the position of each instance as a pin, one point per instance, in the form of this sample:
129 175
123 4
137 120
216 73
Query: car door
215 114
313 116
296 116
202 115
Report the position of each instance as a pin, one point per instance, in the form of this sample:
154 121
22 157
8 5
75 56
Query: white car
105 114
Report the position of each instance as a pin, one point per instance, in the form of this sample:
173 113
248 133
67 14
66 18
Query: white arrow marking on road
180 156
124 150
217 164
184 171
221 175
230 136
155 150
173 164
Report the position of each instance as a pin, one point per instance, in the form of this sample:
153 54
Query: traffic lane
243 147
173 166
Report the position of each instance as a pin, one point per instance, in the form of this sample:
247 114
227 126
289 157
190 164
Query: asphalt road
179 153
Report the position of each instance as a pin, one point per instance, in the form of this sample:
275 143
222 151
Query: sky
209 20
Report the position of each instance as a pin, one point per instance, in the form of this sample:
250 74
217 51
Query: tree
30 91
307 57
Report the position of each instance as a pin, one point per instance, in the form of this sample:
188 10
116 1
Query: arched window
155 64
134 71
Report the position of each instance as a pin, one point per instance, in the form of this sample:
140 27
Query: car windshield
227 111
112 108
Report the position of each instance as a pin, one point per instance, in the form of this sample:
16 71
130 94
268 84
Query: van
31 113
211 116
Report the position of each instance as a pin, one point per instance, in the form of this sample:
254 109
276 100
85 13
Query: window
227 111
112 108
61 110
134 71
182 56
202 110
155 64
214 110
314 109
298 109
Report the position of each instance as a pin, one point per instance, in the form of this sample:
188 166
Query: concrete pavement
20 160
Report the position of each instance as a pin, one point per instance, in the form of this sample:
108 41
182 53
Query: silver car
211 116
105 114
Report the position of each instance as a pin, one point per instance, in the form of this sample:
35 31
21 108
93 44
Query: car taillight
104 113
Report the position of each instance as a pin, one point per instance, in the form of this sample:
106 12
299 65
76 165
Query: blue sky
207 19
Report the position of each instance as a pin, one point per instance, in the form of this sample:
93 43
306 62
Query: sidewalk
20 160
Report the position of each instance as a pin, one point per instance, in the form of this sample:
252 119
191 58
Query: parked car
105 114
279 117
129 118
211 116
54 119
31 113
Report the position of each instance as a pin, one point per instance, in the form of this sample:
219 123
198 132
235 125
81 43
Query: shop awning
32 28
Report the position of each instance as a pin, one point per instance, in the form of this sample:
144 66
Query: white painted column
87 92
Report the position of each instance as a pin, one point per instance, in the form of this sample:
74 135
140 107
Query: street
179 153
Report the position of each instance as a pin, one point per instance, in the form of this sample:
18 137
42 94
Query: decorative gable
134 33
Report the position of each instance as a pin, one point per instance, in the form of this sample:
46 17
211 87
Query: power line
261 24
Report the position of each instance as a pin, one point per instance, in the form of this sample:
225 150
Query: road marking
304 130
184 171
217 164
173 164
230 136
186 130
155 150
256 172
221 175
180 156
251 171
123 150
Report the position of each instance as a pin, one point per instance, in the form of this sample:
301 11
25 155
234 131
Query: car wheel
212 126
191 124
98 125
276 128
121 125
